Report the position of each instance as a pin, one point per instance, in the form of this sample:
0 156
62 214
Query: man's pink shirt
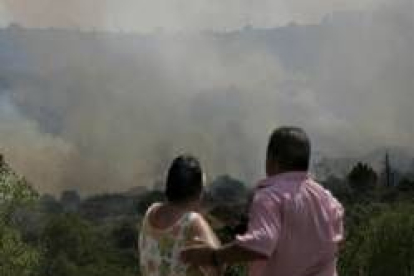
297 224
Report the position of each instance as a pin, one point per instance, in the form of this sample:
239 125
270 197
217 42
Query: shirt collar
282 177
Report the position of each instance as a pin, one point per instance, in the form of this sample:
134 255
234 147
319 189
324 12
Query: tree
125 235
71 236
227 190
145 200
70 201
75 247
15 193
362 178
406 185
16 256
339 188
49 205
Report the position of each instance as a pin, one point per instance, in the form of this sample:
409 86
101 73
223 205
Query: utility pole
387 170
2 162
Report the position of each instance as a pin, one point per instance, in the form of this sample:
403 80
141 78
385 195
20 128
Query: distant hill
27 51
136 191
400 159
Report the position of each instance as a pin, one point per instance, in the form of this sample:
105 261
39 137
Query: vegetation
70 236
17 257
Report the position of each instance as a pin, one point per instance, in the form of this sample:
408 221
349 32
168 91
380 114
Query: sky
170 15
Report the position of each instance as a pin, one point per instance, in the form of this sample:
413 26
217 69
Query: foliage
125 235
406 185
362 178
105 206
339 188
69 235
226 234
225 189
70 201
384 246
16 256
15 193
98 235
75 247
147 199
389 245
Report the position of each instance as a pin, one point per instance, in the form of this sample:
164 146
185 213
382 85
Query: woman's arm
204 235
202 232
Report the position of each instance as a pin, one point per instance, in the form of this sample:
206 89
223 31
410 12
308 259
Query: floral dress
160 249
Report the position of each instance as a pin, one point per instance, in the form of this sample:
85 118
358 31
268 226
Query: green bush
16 256
383 246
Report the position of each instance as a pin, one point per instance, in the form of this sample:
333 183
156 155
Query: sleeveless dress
160 248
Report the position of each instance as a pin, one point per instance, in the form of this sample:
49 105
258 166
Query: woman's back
160 247
169 227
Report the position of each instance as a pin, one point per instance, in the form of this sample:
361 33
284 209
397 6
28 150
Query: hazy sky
149 15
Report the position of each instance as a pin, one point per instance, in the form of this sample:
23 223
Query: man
295 226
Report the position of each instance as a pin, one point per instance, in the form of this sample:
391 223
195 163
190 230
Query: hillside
401 161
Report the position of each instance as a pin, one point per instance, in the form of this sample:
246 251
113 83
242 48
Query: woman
169 227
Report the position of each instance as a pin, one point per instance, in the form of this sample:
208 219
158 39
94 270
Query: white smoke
31 151
110 117
172 15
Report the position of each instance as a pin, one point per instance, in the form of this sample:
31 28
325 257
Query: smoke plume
104 112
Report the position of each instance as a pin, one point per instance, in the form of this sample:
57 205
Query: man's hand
198 255
203 255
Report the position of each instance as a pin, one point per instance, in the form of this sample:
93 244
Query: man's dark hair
290 148
184 179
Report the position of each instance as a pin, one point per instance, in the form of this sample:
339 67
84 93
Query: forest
44 235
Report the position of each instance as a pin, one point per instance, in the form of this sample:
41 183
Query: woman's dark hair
184 179
290 148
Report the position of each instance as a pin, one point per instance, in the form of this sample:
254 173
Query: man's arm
227 254
235 253
257 243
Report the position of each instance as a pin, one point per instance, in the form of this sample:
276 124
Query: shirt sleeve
264 226
337 221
